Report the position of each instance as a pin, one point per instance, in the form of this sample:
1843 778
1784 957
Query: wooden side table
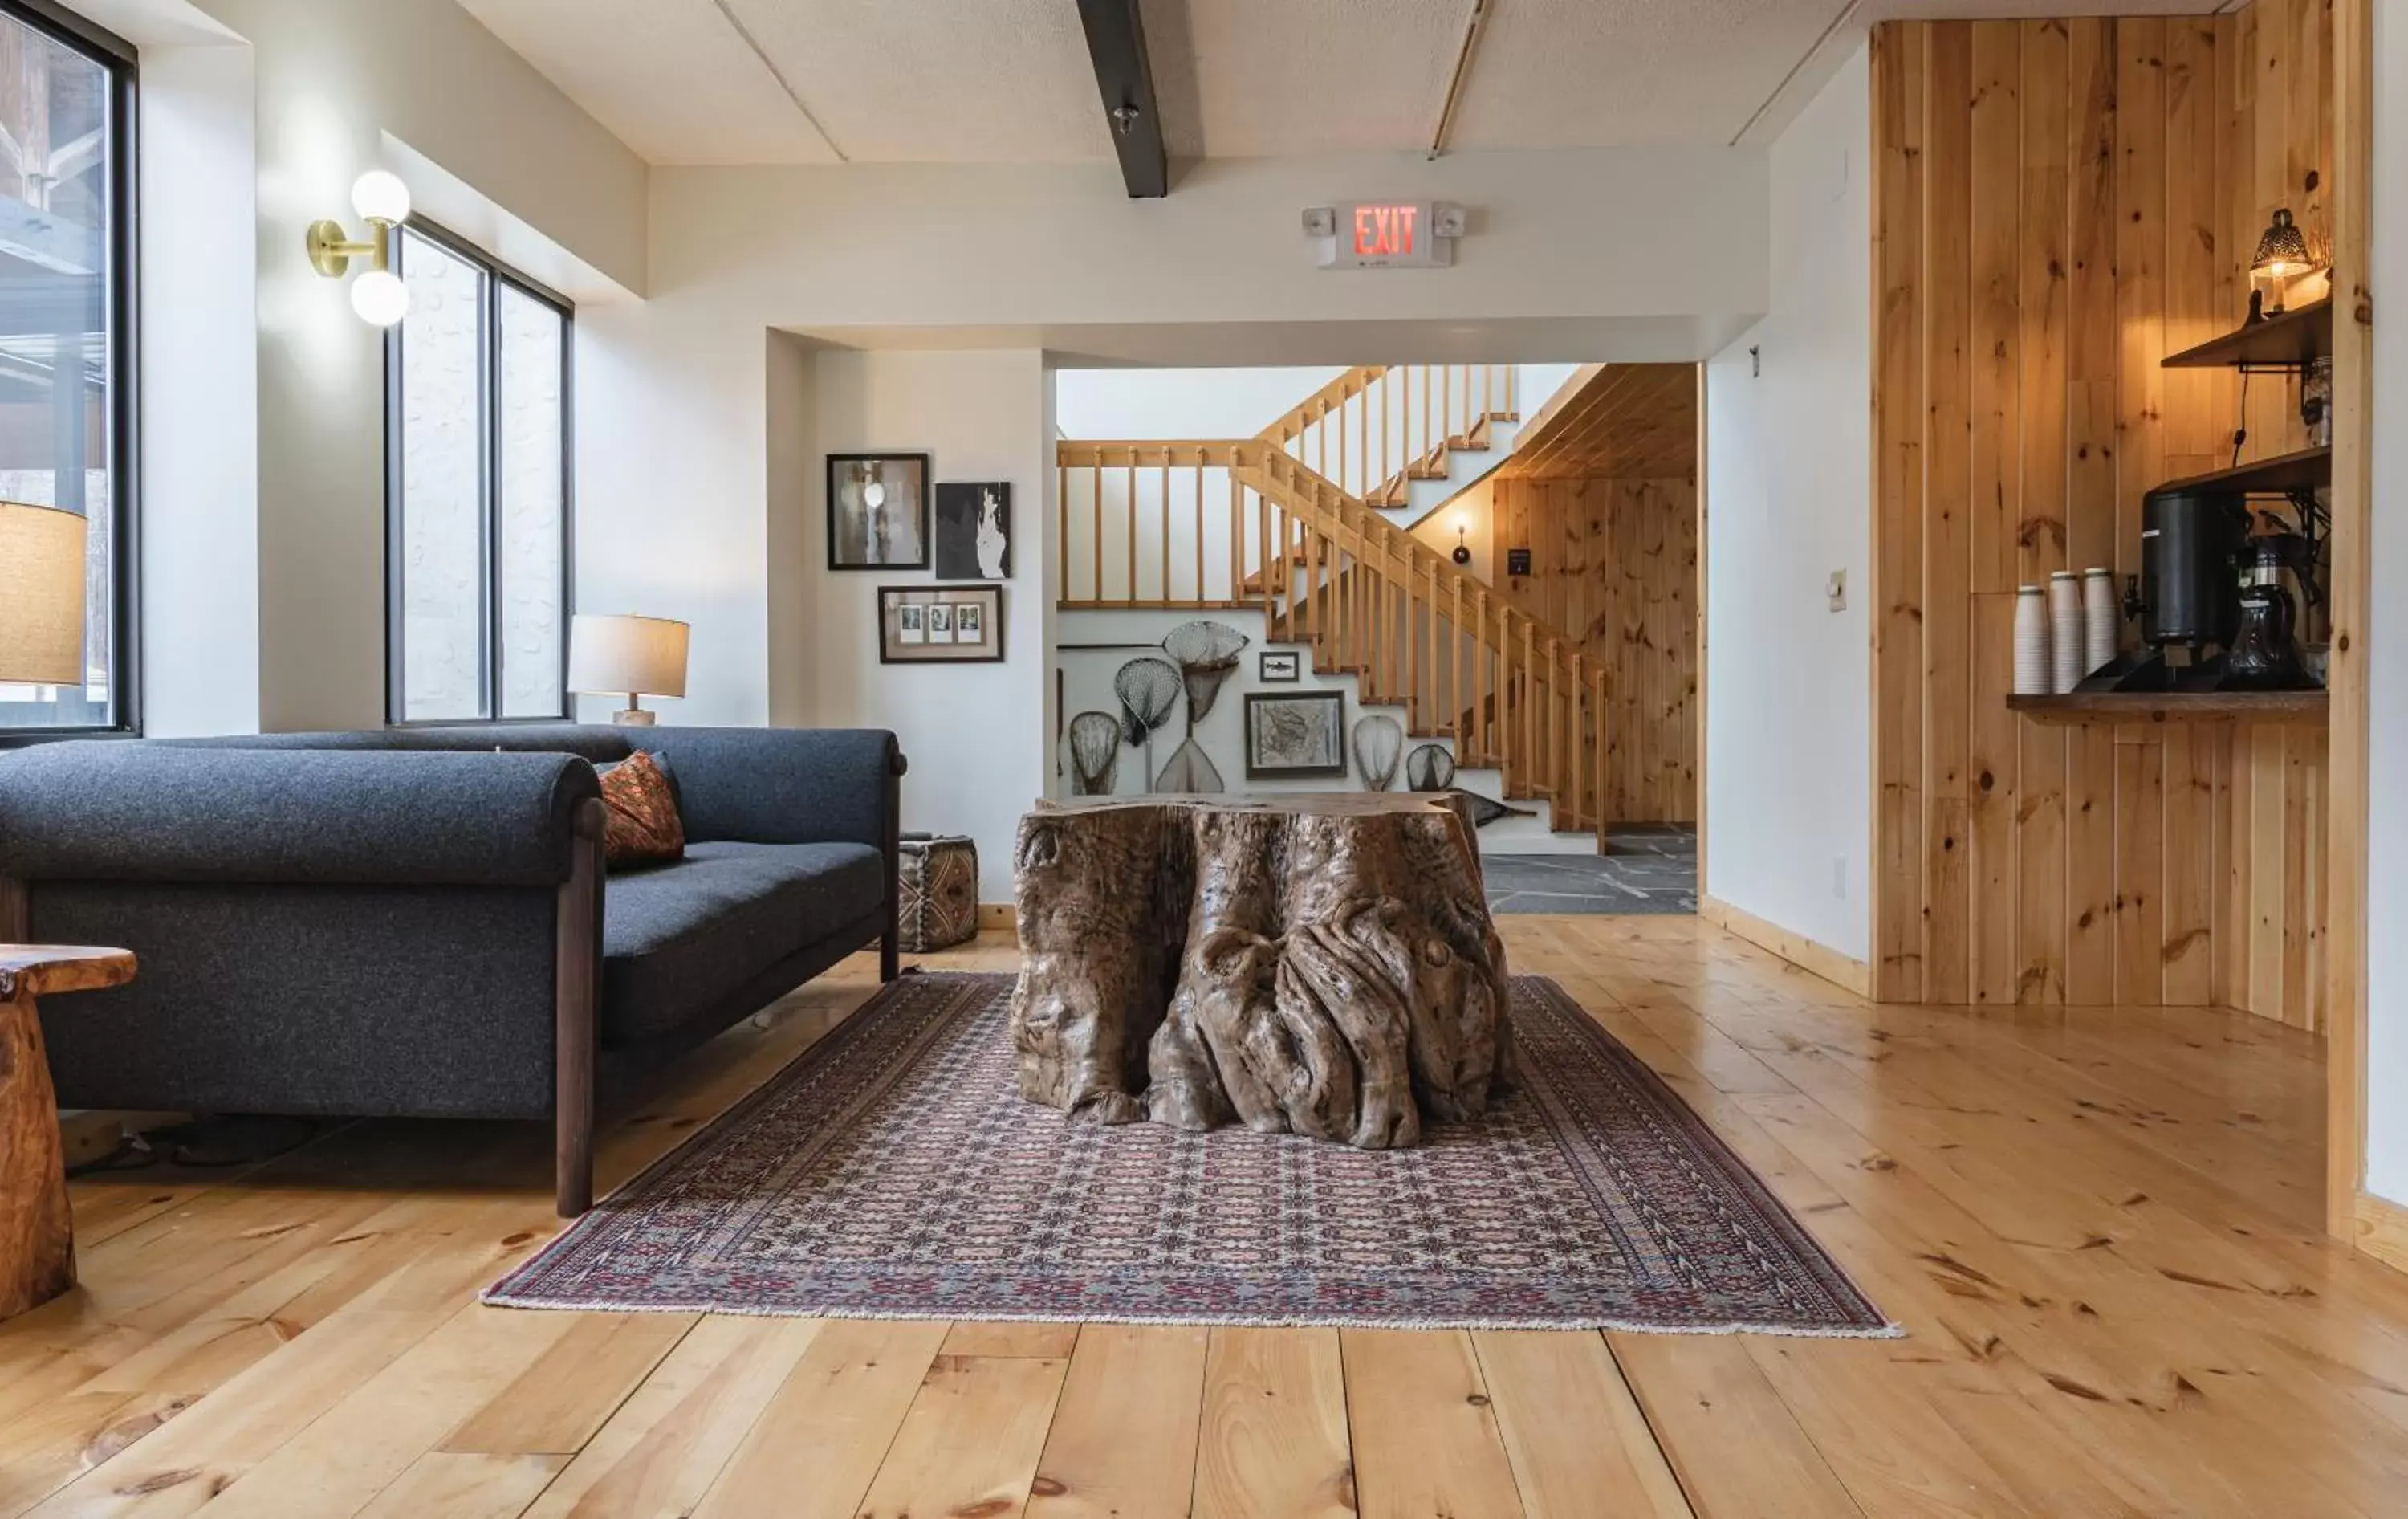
37 1232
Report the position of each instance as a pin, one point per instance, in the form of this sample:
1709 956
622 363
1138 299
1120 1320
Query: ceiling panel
1002 81
1287 76
1602 72
938 81
670 79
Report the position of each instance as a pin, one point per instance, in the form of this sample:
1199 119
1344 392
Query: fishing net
1094 753
1188 771
1206 653
1485 810
1379 743
1430 767
1148 687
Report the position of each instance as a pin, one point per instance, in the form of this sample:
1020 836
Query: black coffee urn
2191 545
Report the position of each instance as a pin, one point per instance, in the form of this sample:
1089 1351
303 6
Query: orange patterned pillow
643 827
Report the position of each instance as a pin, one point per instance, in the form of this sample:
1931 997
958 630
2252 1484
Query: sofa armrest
784 786
132 811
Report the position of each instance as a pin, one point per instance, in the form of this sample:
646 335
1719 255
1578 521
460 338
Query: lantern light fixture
2282 255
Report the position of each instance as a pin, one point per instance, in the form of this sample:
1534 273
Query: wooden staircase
1248 523
1392 424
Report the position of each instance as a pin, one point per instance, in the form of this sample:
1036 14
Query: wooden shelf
2299 335
2284 472
2297 707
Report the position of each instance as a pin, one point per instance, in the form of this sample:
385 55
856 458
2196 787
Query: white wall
977 735
266 465
2386 632
1788 495
200 392
848 251
1181 403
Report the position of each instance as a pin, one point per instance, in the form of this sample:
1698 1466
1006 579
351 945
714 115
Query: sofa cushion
642 826
678 940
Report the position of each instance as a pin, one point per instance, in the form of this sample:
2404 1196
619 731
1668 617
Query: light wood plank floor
2099 1225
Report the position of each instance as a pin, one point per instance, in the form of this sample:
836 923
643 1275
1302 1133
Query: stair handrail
1309 493
1290 426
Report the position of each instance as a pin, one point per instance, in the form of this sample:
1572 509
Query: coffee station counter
2116 707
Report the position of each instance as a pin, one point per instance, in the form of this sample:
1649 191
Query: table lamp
642 656
41 595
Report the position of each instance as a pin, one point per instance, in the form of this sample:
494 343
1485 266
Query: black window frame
495 274
122 293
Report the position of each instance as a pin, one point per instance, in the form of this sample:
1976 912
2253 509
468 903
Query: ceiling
1631 421
810 81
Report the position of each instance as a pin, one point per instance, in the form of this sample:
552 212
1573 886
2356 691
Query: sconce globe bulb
380 297
381 197
873 495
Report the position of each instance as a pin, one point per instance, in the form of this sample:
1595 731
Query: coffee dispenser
2219 609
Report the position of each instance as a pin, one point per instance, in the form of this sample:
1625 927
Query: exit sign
1384 234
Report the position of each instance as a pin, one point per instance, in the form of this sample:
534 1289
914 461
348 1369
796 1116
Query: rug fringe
752 1310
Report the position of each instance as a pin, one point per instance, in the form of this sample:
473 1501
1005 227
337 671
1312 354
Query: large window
477 495
66 320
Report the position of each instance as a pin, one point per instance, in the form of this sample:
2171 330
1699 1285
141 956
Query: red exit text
1385 231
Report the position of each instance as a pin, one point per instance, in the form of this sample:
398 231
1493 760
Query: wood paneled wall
2059 205
1615 561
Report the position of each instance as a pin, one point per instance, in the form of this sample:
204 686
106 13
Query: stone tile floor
1648 868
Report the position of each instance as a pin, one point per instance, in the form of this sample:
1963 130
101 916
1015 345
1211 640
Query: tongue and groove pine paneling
2059 205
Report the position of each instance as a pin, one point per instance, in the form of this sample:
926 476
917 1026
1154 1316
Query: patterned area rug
892 1171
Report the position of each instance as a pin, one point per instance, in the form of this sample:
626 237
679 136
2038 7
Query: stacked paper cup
2031 643
2100 618
2065 621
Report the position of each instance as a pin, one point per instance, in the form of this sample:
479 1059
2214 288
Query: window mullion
489 483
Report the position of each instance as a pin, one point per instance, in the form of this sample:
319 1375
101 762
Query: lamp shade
41 595
2282 251
642 656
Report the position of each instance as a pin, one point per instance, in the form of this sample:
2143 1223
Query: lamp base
633 717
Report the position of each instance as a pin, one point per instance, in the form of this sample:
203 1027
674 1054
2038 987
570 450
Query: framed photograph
940 625
1278 667
974 530
1295 734
878 510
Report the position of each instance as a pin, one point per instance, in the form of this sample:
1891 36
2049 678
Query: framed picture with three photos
940 625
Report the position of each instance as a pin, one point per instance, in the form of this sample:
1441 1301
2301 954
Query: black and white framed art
974 531
878 510
1295 734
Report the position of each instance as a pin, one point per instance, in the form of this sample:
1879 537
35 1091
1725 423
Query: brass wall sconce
383 201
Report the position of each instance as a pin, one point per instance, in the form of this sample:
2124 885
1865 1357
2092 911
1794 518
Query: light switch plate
1835 590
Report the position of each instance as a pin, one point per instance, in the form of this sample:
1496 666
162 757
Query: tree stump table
1311 964
37 1232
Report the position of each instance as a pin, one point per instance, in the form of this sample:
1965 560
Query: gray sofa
416 922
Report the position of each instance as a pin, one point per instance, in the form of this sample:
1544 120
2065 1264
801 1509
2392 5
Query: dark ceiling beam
1116 43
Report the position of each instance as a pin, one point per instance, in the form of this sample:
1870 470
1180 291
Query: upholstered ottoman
937 891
